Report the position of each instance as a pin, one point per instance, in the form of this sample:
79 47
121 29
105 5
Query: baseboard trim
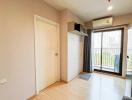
30 98
64 81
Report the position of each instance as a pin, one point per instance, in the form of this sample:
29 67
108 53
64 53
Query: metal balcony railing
110 58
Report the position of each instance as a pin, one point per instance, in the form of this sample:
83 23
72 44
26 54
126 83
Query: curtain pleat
87 53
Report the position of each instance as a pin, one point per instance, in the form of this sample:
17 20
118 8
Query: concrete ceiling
91 9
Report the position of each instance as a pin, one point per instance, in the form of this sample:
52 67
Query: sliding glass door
107 51
96 50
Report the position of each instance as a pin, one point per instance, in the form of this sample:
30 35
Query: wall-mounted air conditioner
102 22
77 29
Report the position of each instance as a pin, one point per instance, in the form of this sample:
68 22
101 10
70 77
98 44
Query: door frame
121 53
36 17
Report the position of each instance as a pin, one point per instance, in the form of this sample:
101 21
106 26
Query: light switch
3 81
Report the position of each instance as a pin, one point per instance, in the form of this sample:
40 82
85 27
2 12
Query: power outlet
3 81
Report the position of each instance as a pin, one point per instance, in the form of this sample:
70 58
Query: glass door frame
121 49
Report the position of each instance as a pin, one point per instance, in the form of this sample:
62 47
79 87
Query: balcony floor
105 68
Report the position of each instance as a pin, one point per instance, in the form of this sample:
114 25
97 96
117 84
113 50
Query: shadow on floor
85 76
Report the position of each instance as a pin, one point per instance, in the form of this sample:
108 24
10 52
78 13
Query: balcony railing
110 59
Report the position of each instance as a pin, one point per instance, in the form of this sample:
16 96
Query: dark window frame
121 54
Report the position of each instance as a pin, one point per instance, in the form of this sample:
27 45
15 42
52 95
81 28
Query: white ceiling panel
91 9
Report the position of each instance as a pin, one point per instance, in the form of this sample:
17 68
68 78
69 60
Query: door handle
56 54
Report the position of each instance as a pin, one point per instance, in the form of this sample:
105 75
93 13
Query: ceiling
91 9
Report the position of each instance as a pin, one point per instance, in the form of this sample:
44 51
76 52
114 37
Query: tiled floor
98 87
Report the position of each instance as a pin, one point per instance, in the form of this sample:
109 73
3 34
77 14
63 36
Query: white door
46 52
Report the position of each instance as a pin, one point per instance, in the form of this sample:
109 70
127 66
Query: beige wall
17 45
66 16
124 19
17 62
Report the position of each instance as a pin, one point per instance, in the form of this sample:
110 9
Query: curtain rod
111 27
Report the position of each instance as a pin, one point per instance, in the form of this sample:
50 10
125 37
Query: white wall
75 55
66 16
17 45
124 63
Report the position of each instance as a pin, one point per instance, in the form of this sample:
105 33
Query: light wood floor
98 87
